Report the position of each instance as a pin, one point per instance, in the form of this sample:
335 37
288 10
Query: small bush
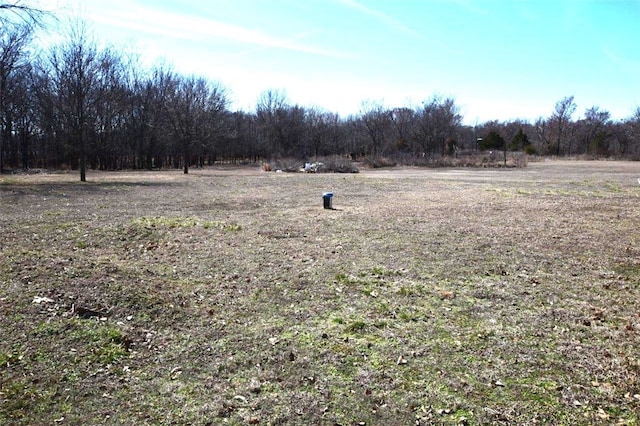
377 162
290 165
519 160
336 164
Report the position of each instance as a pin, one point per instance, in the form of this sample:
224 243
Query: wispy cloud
155 22
381 16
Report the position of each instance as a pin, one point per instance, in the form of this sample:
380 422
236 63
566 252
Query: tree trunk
25 150
186 159
83 160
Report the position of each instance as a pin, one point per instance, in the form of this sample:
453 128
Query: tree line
79 105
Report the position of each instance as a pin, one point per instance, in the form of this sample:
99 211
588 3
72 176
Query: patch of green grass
166 222
628 270
229 227
100 341
7 359
10 181
411 289
356 326
407 315
66 226
18 397
159 222
501 192
108 345
613 187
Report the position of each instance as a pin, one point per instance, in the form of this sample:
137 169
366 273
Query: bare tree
543 134
404 123
46 115
144 121
318 131
296 132
593 130
283 127
111 110
270 111
17 10
439 120
75 67
633 132
214 124
145 116
375 120
324 132
13 57
240 141
23 112
626 134
561 120
193 107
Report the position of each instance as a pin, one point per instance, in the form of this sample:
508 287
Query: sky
499 60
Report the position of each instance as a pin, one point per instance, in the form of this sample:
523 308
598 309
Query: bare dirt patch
230 295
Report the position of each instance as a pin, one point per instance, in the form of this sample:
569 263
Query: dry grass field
230 296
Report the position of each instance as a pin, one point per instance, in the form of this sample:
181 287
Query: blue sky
498 59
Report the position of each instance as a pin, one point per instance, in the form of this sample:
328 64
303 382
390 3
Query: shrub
378 161
286 165
336 164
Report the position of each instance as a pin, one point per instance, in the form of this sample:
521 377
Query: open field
231 296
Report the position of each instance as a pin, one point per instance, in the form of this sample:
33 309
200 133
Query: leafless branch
11 11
